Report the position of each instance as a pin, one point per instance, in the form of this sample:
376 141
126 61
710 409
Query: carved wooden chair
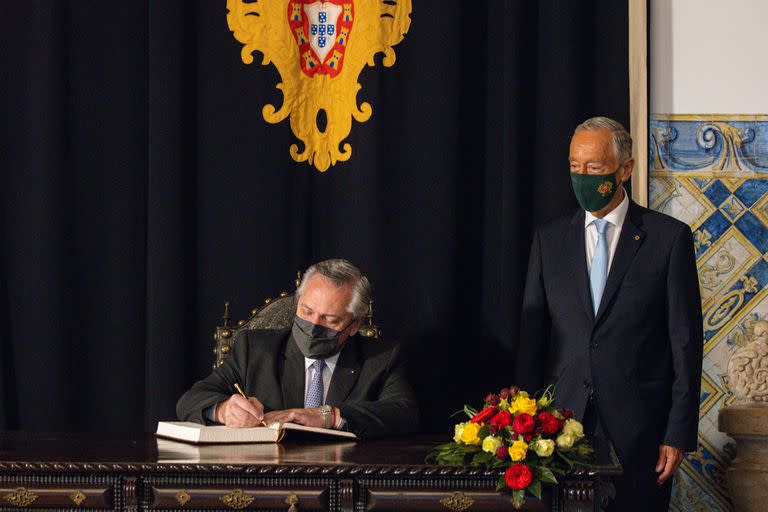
275 313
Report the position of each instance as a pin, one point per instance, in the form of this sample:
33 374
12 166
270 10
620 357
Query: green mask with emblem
594 191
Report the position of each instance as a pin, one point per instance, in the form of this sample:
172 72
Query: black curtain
141 188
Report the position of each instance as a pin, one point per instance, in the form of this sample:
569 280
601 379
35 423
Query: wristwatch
327 411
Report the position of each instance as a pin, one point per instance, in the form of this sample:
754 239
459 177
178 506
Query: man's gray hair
341 272
622 141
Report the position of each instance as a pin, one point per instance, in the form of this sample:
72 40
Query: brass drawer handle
78 497
237 500
293 501
183 497
457 502
21 497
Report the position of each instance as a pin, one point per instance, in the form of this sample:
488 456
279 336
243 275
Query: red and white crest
321 29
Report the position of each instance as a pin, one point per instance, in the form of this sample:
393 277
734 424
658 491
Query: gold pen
240 390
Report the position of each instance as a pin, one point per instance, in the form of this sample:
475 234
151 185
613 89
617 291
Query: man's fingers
249 407
670 459
669 469
662 459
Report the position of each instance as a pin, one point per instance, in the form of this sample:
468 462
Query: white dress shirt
615 221
330 365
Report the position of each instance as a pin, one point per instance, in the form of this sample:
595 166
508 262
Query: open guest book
274 433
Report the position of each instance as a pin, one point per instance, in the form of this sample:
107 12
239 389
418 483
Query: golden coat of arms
319 48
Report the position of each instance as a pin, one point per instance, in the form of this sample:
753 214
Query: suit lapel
578 262
293 378
630 240
346 373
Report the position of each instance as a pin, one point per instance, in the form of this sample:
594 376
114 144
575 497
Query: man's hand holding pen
240 411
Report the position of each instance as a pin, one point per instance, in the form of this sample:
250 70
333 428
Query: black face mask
315 341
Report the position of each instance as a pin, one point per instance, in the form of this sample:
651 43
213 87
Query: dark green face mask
594 191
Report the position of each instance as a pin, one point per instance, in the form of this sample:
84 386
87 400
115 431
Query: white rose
457 431
573 428
565 441
491 444
544 447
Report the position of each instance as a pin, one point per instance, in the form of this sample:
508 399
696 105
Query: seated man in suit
319 373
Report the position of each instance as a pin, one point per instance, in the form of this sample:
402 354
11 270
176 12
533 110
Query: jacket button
587 383
595 345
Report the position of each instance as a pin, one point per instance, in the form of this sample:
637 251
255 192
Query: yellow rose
544 447
524 404
491 444
518 450
573 428
565 441
457 431
469 434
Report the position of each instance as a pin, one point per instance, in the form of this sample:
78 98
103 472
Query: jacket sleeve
533 345
686 340
394 412
218 386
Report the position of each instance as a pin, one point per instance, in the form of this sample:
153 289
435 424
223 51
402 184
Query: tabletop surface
62 451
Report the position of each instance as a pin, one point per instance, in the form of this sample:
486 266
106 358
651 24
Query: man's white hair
341 272
622 141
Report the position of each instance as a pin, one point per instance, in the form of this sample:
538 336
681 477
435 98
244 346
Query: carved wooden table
140 472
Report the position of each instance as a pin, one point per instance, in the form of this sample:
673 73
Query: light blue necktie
598 274
315 392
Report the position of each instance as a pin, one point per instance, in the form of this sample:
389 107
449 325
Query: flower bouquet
526 436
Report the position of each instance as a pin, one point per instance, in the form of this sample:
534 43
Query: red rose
504 393
518 476
492 399
484 415
567 413
501 420
502 452
523 423
549 424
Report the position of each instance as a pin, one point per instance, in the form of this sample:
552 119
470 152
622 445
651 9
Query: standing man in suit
612 314
319 373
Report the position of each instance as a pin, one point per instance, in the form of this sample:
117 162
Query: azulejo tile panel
712 173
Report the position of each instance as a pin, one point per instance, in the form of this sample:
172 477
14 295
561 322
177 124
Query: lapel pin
637 237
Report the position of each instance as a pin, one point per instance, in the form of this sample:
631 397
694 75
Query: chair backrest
275 313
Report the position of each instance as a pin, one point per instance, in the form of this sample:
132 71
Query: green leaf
535 489
470 411
547 476
482 458
483 432
518 498
501 485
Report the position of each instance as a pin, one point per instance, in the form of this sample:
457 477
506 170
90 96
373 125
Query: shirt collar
615 217
331 362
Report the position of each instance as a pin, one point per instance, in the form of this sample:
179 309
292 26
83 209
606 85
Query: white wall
708 56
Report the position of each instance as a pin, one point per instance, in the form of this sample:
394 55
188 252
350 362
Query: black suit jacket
641 354
368 386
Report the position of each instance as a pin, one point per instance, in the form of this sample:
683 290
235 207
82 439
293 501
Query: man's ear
626 169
